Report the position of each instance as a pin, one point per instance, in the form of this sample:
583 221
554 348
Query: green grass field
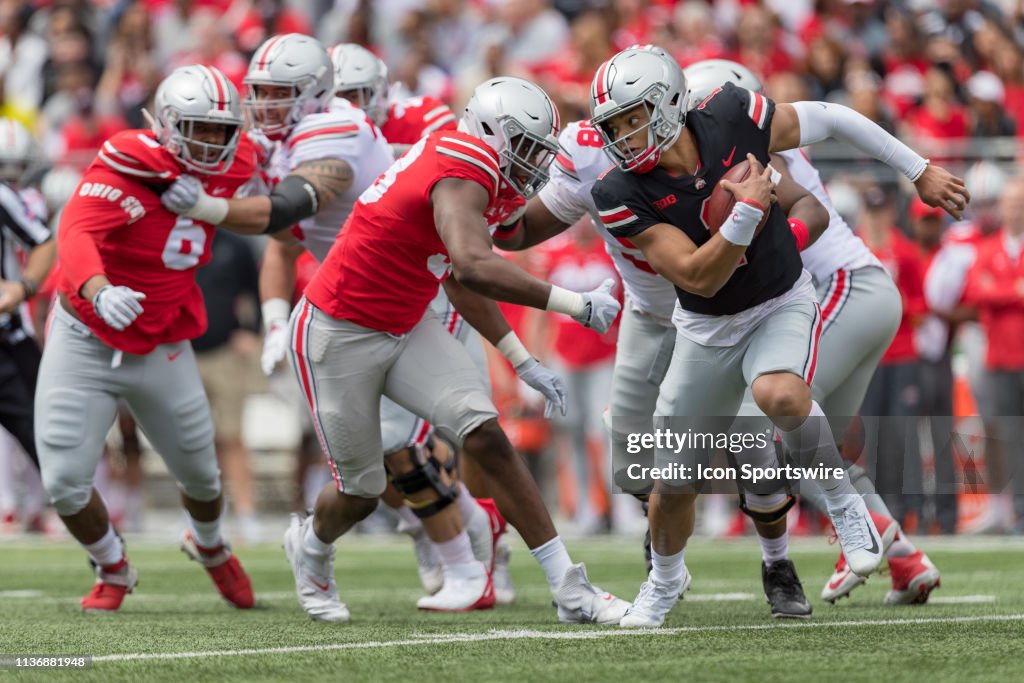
174 627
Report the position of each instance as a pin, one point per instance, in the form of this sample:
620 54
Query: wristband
800 232
212 210
512 348
741 224
564 301
275 309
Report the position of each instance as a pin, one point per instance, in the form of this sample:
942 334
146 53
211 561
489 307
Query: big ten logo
129 204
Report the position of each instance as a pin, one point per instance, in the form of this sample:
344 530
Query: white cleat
580 602
466 587
428 564
481 537
314 576
654 602
858 536
504 589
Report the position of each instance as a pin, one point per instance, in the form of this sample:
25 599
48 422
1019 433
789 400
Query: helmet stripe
265 55
599 95
220 100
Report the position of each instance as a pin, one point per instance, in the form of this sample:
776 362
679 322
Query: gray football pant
76 403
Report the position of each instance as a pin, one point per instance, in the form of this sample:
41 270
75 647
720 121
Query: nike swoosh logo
322 586
874 545
727 162
832 585
173 356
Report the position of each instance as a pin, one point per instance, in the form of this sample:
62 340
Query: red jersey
902 260
414 118
388 261
995 284
114 225
580 269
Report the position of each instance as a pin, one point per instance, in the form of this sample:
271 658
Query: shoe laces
853 529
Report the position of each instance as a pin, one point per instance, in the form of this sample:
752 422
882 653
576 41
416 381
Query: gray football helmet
640 76
520 123
703 77
191 95
295 61
358 70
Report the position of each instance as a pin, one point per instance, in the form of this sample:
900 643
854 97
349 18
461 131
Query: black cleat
784 591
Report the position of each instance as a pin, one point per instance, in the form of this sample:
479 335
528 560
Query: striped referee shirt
19 228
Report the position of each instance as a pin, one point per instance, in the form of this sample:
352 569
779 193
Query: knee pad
68 498
195 425
424 473
766 508
202 491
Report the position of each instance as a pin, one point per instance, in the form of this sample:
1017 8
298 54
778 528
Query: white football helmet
985 181
640 76
520 123
193 95
703 77
294 61
16 150
357 69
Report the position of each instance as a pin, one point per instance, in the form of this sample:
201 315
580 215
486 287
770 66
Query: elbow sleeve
294 199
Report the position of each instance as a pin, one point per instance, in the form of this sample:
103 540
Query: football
721 201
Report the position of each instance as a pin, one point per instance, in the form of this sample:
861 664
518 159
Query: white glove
546 382
275 345
600 308
118 306
186 197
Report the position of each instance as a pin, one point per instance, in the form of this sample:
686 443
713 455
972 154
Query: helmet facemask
200 156
372 99
526 157
665 122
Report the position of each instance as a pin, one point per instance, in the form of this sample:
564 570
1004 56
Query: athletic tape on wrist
739 227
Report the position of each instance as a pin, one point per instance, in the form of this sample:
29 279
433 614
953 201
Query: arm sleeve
85 222
620 216
823 120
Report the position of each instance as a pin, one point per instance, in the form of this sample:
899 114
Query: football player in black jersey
747 313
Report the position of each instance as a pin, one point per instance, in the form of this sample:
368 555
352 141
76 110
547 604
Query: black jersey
728 124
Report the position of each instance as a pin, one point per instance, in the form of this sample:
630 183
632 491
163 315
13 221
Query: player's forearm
820 121
705 271
479 311
93 285
39 263
277 272
537 225
248 216
497 278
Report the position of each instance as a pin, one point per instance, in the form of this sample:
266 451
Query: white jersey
343 132
838 247
567 197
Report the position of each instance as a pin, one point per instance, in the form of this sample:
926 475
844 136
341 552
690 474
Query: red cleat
112 584
843 580
913 578
224 568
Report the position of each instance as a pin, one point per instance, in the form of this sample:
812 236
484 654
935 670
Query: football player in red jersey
364 329
129 305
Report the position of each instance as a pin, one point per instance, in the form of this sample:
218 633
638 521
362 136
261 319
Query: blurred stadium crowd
947 76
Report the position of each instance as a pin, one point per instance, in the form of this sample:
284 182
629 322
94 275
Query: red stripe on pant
837 294
306 381
814 345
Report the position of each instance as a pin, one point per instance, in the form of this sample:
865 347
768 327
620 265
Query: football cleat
481 537
428 564
466 587
580 602
654 602
858 536
913 578
784 591
314 576
843 580
224 568
504 589
112 584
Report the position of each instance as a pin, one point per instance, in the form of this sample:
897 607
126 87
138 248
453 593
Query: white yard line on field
549 635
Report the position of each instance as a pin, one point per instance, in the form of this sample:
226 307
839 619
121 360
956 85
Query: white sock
455 551
775 549
901 546
811 444
553 559
313 543
468 507
108 550
411 524
668 569
206 534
